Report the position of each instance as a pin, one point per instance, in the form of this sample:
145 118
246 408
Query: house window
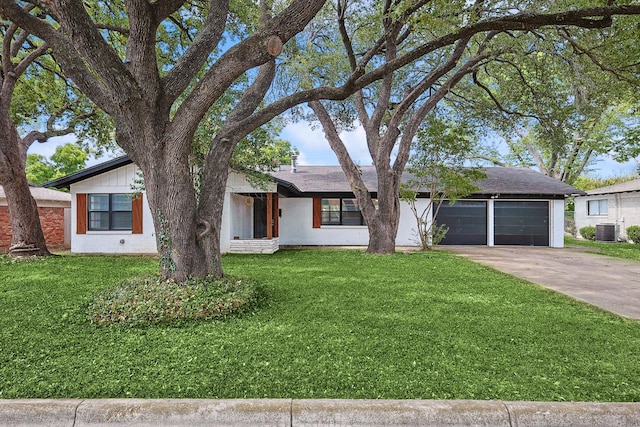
341 212
598 207
110 211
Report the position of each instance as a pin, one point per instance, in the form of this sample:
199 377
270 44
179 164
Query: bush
150 300
588 232
633 233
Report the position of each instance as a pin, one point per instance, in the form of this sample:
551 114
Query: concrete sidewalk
609 283
287 412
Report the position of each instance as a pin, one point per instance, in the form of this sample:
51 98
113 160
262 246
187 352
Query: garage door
521 223
467 222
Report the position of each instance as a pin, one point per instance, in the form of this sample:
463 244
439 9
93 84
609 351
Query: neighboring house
54 209
610 209
314 205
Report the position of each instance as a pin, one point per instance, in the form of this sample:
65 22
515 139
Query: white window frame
598 207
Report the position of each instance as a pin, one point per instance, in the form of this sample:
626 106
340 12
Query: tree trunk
383 222
187 228
172 201
27 236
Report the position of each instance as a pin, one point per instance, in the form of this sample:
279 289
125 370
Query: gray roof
331 179
623 187
44 195
499 181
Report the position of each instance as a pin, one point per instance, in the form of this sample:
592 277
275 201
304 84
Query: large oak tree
460 38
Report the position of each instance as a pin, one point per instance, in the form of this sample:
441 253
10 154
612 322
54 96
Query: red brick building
54 207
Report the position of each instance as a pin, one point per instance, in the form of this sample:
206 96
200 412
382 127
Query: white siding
241 208
237 217
556 223
296 222
296 227
237 183
623 211
113 242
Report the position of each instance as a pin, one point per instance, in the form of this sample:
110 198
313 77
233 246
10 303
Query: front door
265 216
259 218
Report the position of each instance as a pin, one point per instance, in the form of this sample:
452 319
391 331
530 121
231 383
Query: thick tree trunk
212 199
172 201
187 228
27 236
383 222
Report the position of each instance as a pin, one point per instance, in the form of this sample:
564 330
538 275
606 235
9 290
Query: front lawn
333 324
614 249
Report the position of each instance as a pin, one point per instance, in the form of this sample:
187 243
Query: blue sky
314 150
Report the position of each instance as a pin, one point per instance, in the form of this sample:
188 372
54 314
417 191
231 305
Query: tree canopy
157 68
570 98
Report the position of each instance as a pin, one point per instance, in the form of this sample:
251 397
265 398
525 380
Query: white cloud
606 167
48 148
315 150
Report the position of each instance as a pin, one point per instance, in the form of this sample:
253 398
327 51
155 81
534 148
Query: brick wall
51 219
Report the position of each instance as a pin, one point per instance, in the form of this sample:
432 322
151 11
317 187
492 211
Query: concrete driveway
609 283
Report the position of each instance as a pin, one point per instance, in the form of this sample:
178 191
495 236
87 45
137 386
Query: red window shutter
136 214
317 212
81 213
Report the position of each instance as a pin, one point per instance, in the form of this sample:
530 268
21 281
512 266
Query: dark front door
466 220
259 218
523 223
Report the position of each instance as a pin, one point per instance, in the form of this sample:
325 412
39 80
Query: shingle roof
44 195
331 179
499 181
623 187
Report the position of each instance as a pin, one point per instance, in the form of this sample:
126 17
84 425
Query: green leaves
67 159
147 301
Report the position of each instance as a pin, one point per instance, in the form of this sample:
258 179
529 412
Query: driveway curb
288 412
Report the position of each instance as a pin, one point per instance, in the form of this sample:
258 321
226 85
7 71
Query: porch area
254 223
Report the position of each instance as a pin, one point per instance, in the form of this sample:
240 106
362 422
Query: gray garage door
522 223
467 222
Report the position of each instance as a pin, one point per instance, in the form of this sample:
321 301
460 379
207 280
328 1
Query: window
110 211
598 207
341 212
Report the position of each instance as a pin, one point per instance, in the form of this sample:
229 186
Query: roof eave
109 165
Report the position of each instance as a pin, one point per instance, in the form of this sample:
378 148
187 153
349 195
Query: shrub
588 232
633 233
150 300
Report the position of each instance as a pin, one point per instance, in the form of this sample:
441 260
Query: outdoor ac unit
606 232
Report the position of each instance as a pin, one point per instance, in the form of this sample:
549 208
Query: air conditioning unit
605 232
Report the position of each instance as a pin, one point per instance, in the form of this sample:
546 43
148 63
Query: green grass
334 324
618 250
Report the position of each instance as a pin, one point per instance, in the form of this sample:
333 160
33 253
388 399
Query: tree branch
253 51
63 49
414 123
189 64
564 33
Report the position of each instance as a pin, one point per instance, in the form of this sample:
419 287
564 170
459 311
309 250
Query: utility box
605 232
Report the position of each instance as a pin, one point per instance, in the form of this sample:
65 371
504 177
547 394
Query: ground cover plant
333 324
150 300
614 249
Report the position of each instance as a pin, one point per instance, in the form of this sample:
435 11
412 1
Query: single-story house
54 208
314 205
610 209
